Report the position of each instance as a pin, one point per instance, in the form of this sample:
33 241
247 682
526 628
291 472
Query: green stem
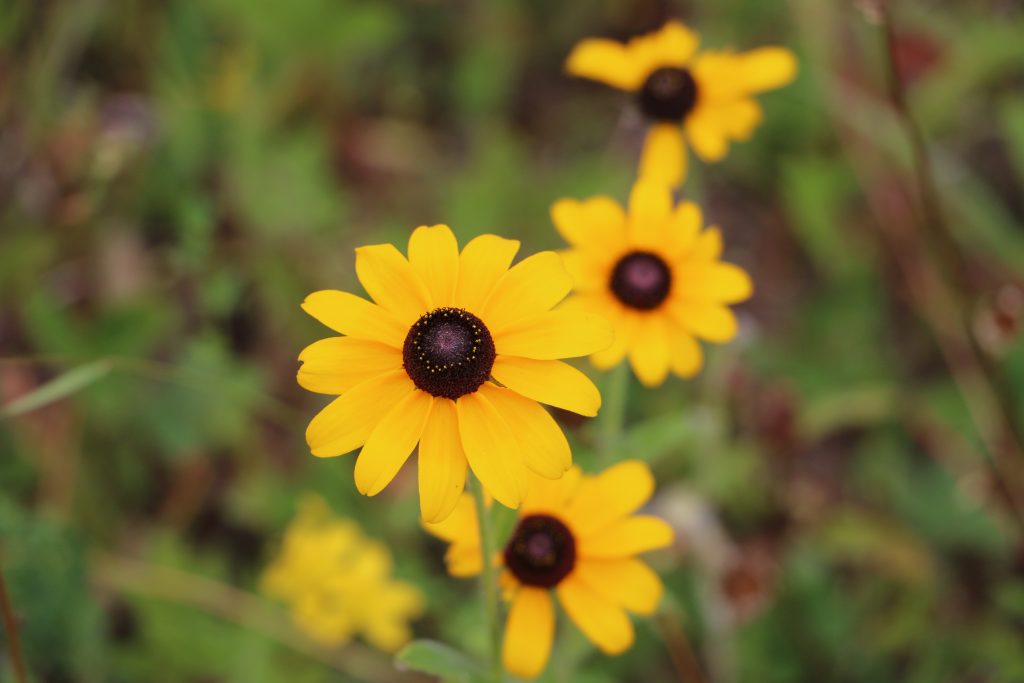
11 631
489 581
613 413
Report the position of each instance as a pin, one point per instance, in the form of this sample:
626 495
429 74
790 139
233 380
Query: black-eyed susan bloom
576 539
655 274
703 97
453 354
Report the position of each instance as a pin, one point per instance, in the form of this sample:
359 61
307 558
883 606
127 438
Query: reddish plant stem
933 268
969 365
684 659
11 630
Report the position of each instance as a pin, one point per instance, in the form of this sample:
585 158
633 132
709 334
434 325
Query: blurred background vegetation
175 176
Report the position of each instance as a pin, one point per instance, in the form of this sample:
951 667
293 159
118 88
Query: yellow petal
710 321
464 560
627 582
767 68
739 119
603 622
346 423
532 286
491 449
589 269
529 632
390 281
555 334
719 77
434 257
542 444
597 223
549 381
686 357
624 323
605 61
664 156
706 135
336 364
650 202
391 443
460 526
649 351
683 228
629 536
672 45
551 496
721 282
481 264
442 463
708 247
615 493
356 317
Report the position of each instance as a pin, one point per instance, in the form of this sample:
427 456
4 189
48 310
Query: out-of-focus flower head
338 583
576 539
655 273
706 98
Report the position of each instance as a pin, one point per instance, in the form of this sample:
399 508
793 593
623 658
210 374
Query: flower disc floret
668 94
641 280
448 352
541 552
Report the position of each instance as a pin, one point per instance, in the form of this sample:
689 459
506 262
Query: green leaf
437 659
67 384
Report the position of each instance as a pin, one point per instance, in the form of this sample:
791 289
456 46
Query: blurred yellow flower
454 355
655 274
578 537
706 95
338 583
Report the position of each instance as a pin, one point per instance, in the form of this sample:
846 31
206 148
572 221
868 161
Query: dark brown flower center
448 352
668 94
541 552
641 280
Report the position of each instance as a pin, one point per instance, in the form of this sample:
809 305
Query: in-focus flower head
454 355
655 273
703 97
577 537
338 583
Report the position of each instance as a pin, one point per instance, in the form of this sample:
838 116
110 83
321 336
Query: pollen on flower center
641 280
668 94
541 552
448 352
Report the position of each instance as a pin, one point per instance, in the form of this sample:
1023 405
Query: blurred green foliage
175 176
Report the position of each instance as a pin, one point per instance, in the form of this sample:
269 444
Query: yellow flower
707 95
338 583
578 537
454 355
654 274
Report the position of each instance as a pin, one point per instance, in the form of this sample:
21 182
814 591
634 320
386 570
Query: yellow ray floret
705 98
454 353
576 541
656 274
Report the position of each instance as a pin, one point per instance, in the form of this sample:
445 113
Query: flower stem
11 631
489 581
613 413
